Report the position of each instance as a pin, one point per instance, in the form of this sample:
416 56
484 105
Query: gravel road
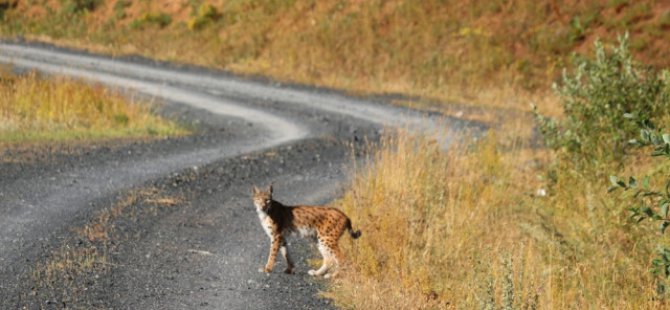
193 241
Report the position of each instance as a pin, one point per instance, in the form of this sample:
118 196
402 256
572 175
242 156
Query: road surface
204 251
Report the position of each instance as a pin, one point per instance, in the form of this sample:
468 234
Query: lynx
324 224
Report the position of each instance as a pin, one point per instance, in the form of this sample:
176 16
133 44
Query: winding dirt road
204 254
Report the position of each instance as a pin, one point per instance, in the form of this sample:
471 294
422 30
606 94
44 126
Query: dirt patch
67 274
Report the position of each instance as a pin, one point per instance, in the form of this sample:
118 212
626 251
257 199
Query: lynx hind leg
335 262
327 258
331 259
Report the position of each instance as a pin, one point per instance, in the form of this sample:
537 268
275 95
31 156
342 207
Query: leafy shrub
7 5
651 203
120 8
595 98
205 14
159 19
664 20
78 6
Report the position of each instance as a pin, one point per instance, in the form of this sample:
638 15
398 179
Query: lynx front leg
272 258
287 257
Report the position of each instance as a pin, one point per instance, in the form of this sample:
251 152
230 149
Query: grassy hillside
472 51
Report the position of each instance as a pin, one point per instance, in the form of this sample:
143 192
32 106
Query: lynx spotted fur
324 224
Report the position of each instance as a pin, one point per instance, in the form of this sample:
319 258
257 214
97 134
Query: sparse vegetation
36 109
65 276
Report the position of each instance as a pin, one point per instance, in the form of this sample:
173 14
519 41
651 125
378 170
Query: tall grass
34 109
483 227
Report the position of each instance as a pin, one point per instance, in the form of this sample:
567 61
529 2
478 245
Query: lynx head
262 199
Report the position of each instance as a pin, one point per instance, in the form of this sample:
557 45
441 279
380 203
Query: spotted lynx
324 224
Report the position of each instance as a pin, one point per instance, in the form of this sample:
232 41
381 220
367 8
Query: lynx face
280 221
262 199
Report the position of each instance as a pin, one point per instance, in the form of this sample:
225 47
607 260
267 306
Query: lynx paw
288 271
312 273
265 269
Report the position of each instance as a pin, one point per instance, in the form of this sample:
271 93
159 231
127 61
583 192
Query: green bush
205 15
77 6
649 203
120 8
159 19
595 97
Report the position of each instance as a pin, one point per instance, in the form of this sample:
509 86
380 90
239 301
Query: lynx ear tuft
270 189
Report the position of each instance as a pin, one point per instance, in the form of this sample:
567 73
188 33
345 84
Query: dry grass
100 230
500 106
36 109
102 225
453 50
471 228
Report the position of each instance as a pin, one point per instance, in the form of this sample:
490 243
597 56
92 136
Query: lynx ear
254 190
270 189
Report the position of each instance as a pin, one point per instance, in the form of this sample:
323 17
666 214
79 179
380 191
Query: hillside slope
439 49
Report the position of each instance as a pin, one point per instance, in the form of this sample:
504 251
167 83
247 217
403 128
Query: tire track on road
329 102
